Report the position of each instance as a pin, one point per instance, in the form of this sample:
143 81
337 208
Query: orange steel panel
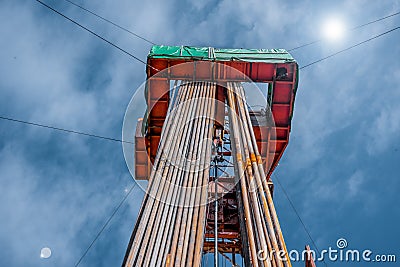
227 235
242 67
261 132
157 65
157 89
204 69
159 110
140 144
224 247
141 172
281 114
282 93
181 71
262 148
282 100
262 71
141 156
256 71
282 133
157 128
154 140
278 144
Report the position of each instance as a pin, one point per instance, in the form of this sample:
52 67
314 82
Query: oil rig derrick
208 156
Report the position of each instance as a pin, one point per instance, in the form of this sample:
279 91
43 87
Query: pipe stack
171 223
170 226
266 246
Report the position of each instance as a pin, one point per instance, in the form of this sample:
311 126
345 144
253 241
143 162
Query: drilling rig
208 155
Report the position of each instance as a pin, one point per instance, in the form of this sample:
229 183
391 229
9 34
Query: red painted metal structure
275 67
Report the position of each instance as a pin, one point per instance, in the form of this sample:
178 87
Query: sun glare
333 29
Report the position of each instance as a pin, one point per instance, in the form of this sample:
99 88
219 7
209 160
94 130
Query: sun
45 253
333 29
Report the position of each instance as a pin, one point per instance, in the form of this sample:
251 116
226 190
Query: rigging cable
111 22
298 216
350 47
122 141
95 34
64 130
352 29
105 225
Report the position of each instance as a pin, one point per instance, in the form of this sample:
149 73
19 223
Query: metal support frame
225 242
216 212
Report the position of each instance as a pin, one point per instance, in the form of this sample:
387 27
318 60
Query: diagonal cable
105 225
352 29
111 22
64 130
350 47
298 216
95 34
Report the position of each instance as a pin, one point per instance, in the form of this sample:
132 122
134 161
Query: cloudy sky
341 169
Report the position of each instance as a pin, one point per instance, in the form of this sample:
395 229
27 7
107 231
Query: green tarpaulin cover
218 54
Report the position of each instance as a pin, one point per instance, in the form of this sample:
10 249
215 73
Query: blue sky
341 169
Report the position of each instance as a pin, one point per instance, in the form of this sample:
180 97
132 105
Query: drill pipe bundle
170 227
266 246
171 224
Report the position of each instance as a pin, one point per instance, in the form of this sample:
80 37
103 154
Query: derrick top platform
259 65
275 67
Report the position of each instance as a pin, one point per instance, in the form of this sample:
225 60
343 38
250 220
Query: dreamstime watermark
339 253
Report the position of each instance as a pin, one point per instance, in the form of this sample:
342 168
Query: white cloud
384 130
355 182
